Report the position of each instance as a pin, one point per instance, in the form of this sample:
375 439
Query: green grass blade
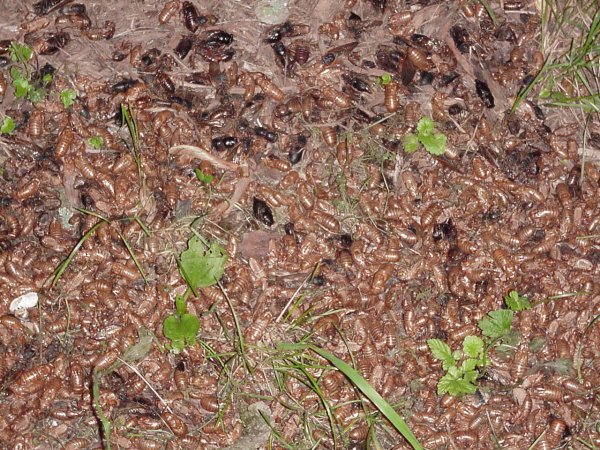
135 259
129 119
539 438
238 330
523 93
103 419
314 386
143 226
490 12
594 320
65 264
280 439
371 394
91 213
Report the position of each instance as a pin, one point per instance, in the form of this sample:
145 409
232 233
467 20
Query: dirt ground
284 143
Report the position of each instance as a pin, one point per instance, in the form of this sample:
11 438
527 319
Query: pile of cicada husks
284 143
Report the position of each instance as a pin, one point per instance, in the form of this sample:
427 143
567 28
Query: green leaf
96 142
496 324
440 350
19 52
47 79
454 371
455 385
16 74
67 97
411 143
205 178
425 127
384 79
469 364
470 376
516 302
202 266
181 330
473 346
8 125
36 95
22 87
434 143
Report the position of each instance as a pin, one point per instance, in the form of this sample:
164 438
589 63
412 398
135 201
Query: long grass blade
364 386
134 257
238 330
67 262
103 419
371 394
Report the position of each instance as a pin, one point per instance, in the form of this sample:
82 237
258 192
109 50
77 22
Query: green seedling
516 302
384 79
20 82
205 178
433 141
20 53
462 367
21 76
181 328
46 79
67 97
201 265
96 142
8 125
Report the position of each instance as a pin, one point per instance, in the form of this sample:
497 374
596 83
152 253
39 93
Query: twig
293 297
205 155
137 372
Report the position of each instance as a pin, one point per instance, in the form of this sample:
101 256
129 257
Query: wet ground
283 143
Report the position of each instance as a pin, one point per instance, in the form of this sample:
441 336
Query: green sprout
181 328
96 142
67 97
20 53
433 141
46 79
20 82
516 302
384 79
201 265
21 77
462 367
8 125
205 178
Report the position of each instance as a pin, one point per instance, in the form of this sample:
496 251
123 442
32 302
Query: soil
335 234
